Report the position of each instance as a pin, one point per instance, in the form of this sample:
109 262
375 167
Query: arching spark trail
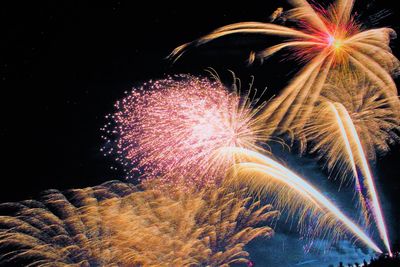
260 171
359 157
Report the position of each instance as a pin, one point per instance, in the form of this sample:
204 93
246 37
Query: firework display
376 122
116 224
326 40
343 101
173 128
201 180
265 176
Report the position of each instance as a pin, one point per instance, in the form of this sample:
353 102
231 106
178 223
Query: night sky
63 64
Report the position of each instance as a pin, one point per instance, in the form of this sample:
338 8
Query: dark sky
64 64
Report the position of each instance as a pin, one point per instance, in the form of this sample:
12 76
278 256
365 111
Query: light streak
262 170
369 182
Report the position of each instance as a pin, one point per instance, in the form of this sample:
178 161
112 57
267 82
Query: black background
65 63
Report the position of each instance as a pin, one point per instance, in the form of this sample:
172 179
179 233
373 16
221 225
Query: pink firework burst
172 129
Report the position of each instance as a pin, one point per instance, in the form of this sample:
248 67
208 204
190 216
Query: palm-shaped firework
325 40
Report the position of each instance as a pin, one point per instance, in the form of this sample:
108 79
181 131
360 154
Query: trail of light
344 136
272 169
376 208
350 156
371 113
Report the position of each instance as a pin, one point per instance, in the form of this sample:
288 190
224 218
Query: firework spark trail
348 148
376 122
325 39
172 128
269 171
360 158
349 126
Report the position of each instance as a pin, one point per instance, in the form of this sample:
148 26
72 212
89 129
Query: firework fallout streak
358 158
260 171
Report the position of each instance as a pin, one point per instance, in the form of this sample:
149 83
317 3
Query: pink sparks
172 129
